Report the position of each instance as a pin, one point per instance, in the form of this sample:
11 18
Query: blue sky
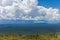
50 3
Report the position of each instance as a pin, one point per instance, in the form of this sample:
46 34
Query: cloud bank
27 10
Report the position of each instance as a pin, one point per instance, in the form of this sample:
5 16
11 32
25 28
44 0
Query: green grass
47 36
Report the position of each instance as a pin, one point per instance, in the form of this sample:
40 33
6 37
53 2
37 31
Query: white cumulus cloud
27 10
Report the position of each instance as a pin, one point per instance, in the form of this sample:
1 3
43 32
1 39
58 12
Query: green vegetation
47 36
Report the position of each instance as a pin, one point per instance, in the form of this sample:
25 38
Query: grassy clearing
48 36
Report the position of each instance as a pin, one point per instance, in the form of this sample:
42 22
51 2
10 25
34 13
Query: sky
50 3
39 10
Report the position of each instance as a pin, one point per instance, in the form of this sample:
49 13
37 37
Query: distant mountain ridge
27 27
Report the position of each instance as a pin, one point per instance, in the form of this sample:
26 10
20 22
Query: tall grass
47 36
